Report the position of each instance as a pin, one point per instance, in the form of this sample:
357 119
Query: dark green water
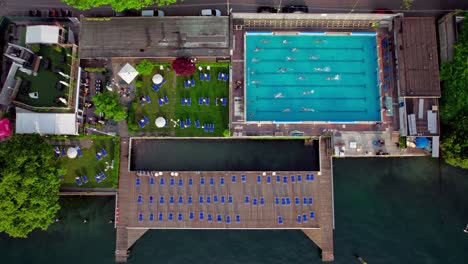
387 210
223 155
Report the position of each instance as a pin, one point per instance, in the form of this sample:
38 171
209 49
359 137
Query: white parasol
160 121
157 78
72 153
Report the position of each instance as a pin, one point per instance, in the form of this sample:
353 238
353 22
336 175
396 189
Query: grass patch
89 165
215 113
45 81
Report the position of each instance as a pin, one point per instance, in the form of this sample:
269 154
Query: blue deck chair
190 181
219 218
172 182
304 218
223 199
243 178
78 152
97 178
237 218
278 179
212 181
145 119
186 84
202 181
191 216
170 217
56 149
160 217
151 217
57 154
210 218
207 101
171 199
192 82
280 220
181 200
226 77
142 102
141 123
233 178
299 178
311 214
259 179
296 200
189 200
254 201
215 198
200 199
228 219
160 101
179 217
202 76
212 128
285 179
182 124
180 183
84 178
201 216
206 128
246 199
139 199
197 123
166 99
155 87
102 175
208 199
221 181
220 76
276 201
151 199
385 87
304 200
283 201
298 219
288 201
182 101
189 101
307 177
137 182
161 199
140 217
161 182
223 101
229 199
293 179
64 152
187 122
262 201
151 181
268 179
99 156
200 100
208 77
311 200
78 181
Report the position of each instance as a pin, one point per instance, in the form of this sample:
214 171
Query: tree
108 104
117 5
29 185
454 104
145 67
183 66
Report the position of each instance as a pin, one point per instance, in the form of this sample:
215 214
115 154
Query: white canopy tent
28 122
42 34
128 73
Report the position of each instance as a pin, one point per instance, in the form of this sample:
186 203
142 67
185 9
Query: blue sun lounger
219 218
189 200
223 101
170 217
259 179
182 125
192 82
181 200
84 178
304 200
210 218
221 181
190 181
160 217
151 217
280 220
99 156
64 152
293 179
200 100
229 199
137 182
215 198
262 201
197 123
200 199
172 182
141 123
220 76
299 178
311 200
202 76
201 216
102 175
166 99
151 181
186 84
202 181
145 119
285 179
254 202
155 87
223 199
311 214
160 101
98 179
140 217
103 152
182 101
212 128
237 218
208 199
212 181
151 199
246 199
161 182
304 218
171 199
78 152
179 217
208 77
78 181
191 216
206 128
226 76
276 201
189 101
283 201
180 183
296 200
268 179
228 219
207 101
243 178
233 179
187 122
298 219
278 179
139 199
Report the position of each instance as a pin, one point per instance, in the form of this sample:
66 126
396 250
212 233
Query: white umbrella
160 121
128 73
72 153
157 78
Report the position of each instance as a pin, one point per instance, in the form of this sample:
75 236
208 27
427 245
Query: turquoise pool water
311 77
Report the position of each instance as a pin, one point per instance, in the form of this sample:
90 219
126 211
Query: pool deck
256 213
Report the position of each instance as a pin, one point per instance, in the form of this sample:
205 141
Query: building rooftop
155 37
28 122
416 48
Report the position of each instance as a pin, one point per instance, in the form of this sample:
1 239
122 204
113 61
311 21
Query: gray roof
155 37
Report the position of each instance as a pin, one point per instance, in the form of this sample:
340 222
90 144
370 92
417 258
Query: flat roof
28 122
155 37
42 34
418 63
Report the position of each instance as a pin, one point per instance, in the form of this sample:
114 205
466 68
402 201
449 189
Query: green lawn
90 166
45 81
215 114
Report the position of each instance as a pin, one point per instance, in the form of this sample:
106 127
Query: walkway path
85 143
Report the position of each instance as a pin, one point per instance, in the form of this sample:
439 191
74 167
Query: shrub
138 83
95 69
35 47
402 142
57 48
145 67
183 66
227 133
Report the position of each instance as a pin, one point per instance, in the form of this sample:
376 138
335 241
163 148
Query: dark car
295 9
267 9
383 11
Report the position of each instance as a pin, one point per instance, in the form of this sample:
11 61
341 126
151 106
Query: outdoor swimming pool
311 77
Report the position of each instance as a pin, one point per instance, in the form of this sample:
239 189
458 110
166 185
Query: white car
210 12
150 13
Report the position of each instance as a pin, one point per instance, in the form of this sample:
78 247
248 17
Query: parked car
210 12
295 9
151 13
267 9
382 11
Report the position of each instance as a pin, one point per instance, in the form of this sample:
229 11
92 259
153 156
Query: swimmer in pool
324 69
308 92
255 81
257 50
286 42
254 60
314 57
334 78
294 49
279 95
308 109
289 58
286 110
282 69
301 78
265 41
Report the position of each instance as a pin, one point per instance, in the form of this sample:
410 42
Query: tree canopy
454 104
117 5
183 66
29 185
108 104
145 67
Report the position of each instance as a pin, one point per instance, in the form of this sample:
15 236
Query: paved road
192 7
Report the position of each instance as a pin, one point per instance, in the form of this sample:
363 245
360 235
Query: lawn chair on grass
187 122
145 119
186 84
155 87
182 101
84 179
141 123
78 181
182 125
99 156
205 128
166 99
78 152
102 175
148 99
207 101
207 77
226 77
220 76
160 101
200 100
212 128
192 82
189 102
97 178
202 76
103 152
197 123
223 101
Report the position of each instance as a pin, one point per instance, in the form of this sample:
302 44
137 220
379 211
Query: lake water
387 210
